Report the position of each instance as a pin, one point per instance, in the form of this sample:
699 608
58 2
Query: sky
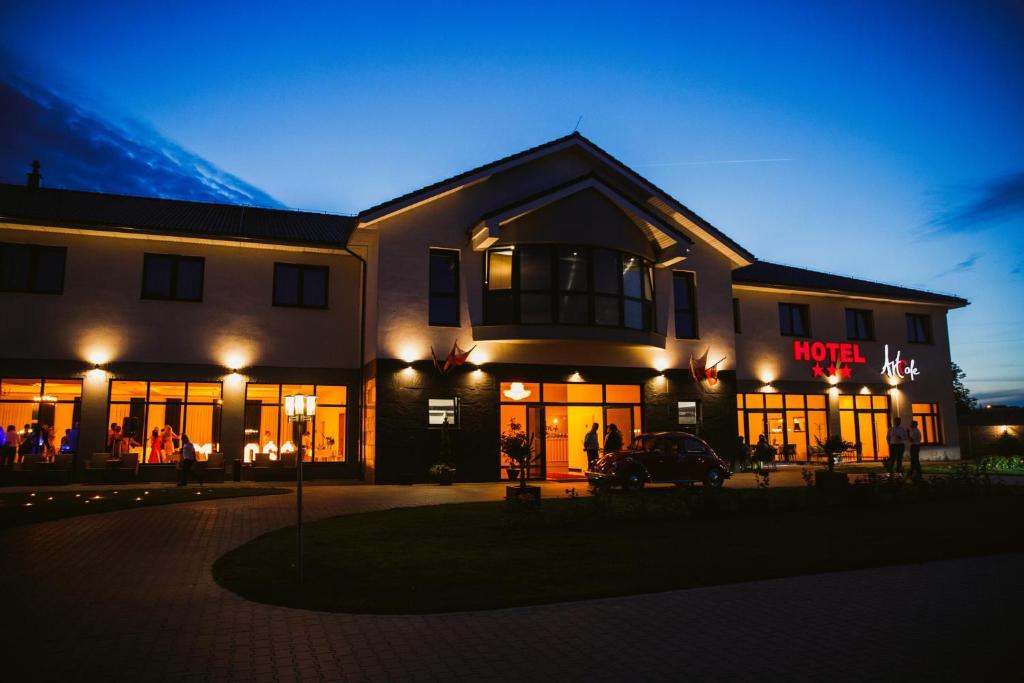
880 140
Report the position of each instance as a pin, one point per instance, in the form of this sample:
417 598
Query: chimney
34 177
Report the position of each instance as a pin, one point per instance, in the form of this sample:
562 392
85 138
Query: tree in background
965 403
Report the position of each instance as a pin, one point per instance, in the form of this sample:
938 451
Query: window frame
34 252
456 295
555 290
148 401
934 414
929 333
176 260
455 412
806 316
869 324
690 278
302 268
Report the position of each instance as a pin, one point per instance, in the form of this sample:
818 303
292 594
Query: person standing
592 445
10 446
188 459
914 437
613 442
897 438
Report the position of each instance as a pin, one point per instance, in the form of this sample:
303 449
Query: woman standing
156 448
167 437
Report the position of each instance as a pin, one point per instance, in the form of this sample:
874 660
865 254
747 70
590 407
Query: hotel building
585 294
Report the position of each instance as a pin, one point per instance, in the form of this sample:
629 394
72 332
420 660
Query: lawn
43 505
483 556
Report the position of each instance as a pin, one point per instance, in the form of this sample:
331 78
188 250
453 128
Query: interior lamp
517 391
299 407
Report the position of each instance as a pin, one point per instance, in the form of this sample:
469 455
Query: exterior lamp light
299 408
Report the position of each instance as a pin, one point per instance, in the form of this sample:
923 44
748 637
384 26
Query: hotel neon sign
839 355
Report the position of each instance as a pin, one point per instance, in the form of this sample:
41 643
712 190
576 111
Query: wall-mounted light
767 388
865 390
833 391
576 377
833 380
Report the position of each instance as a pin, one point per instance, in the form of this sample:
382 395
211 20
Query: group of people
38 440
161 443
900 440
592 444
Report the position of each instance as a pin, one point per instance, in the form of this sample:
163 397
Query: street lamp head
299 407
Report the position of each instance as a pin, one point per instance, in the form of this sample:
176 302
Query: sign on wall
897 368
838 356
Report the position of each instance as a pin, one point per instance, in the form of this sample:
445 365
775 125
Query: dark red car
660 457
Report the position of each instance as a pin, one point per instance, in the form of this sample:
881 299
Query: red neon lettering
857 358
832 347
801 350
846 353
818 351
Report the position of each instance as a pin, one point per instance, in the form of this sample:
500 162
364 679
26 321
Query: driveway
129 596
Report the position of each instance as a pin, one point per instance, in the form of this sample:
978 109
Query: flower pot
513 473
523 495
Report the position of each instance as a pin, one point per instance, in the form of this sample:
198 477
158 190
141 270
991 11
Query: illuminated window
928 421
300 286
860 324
864 422
44 413
441 411
792 423
269 432
444 287
172 278
144 410
919 328
572 285
32 268
794 320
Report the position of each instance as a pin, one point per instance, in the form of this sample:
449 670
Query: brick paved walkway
129 596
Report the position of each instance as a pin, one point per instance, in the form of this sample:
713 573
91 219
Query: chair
263 460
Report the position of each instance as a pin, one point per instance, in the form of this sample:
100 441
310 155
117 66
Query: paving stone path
129 596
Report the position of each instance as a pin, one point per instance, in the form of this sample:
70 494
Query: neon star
830 370
817 370
847 371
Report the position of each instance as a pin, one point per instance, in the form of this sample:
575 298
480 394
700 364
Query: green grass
482 556
44 505
936 468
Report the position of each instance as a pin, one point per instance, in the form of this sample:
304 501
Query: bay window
569 285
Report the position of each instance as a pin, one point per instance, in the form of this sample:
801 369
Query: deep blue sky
895 128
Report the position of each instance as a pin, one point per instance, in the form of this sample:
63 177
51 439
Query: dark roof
636 177
776 275
93 210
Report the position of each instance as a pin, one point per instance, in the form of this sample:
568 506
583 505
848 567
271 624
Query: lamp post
299 408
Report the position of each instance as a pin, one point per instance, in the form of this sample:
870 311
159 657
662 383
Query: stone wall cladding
406 447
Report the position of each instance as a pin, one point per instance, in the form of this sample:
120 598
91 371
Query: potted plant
443 471
832 447
517 446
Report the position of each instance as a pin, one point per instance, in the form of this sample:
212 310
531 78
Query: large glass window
571 285
153 416
864 421
300 286
444 287
685 301
43 412
794 320
791 423
919 328
172 277
32 268
268 433
928 421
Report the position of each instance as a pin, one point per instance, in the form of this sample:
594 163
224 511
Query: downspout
362 354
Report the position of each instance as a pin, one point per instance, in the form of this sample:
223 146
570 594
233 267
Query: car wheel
714 478
634 481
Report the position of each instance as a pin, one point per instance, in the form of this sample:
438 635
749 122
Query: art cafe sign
836 360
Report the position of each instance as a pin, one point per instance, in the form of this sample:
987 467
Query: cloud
84 150
998 199
960 267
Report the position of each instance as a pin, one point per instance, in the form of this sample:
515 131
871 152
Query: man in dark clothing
914 436
188 459
613 442
897 439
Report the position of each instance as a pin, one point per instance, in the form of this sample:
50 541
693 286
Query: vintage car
660 457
